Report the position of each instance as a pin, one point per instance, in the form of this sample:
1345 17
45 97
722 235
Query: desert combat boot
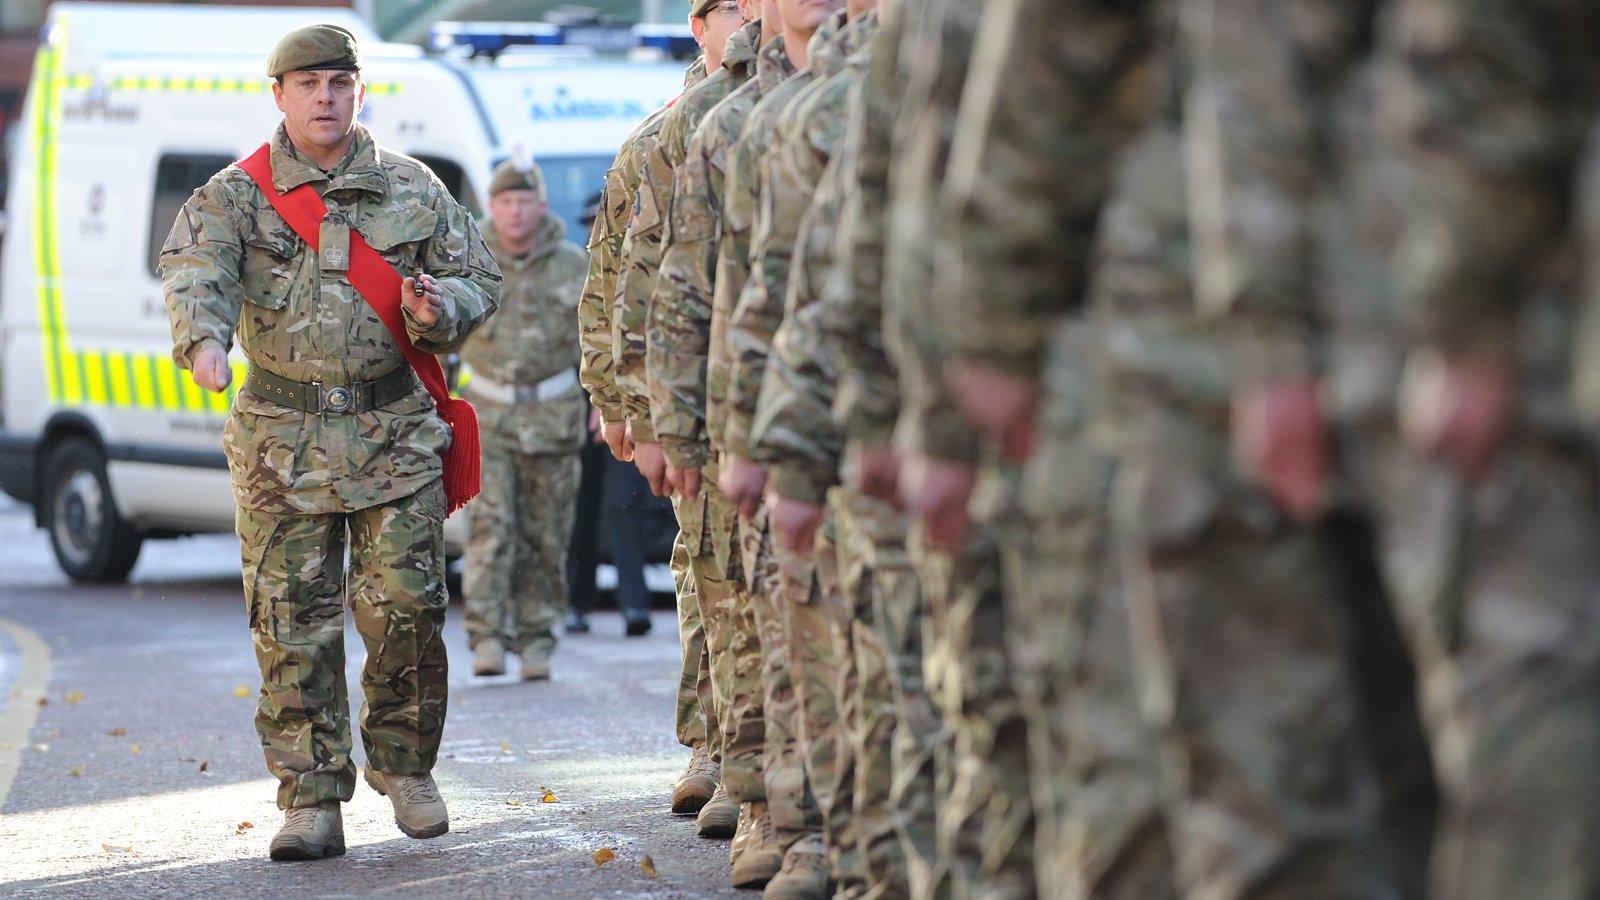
698 782
310 832
489 658
756 854
719 818
418 808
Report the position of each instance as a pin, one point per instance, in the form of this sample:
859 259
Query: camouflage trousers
296 588
519 528
895 724
813 618
732 643
794 810
1496 586
696 704
1245 641
1096 777
985 827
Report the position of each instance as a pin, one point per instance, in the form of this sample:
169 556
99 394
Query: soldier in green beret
523 378
334 446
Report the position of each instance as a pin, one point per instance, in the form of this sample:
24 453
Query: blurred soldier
696 719
1490 528
793 434
333 443
725 607
523 381
681 351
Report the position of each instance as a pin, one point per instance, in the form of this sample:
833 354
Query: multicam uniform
794 435
232 267
730 628
515 580
696 717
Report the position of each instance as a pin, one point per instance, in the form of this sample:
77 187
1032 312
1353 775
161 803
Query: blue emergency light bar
490 39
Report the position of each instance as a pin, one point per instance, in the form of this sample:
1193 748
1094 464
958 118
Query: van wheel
92 543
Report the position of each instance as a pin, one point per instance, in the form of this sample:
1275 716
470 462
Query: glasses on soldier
726 6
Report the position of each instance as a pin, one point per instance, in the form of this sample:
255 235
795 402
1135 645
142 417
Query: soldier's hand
617 438
594 426
427 308
1281 440
1001 405
794 523
874 470
652 464
685 482
1457 411
937 492
211 369
743 481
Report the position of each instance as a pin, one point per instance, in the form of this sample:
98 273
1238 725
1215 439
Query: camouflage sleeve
794 432
679 332
867 400
631 308
788 176
1490 101
1257 134
597 370
200 265
1051 89
469 278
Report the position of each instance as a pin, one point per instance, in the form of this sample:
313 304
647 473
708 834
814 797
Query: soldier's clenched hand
211 369
685 482
795 524
1280 438
652 464
743 481
427 306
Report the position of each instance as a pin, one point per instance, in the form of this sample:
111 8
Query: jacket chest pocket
398 235
271 252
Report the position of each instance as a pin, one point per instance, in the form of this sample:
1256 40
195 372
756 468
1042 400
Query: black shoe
638 624
576 623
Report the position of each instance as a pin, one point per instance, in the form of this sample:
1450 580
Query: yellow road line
22 705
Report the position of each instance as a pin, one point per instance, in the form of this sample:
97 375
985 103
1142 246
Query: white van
133 106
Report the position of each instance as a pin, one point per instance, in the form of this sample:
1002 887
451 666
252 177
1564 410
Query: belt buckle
337 399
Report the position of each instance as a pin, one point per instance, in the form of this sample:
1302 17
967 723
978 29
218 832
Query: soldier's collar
360 170
744 46
774 66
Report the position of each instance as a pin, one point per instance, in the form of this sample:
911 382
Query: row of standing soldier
1123 450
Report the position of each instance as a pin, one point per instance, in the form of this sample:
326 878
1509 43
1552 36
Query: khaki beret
314 47
508 176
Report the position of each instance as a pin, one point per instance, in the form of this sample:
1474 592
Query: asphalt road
129 764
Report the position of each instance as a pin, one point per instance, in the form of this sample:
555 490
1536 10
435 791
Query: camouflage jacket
232 267
793 431
774 74
867 399
759 305
529 340
644 242
679 336
598 369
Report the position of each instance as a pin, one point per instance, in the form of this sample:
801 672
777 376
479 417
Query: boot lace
418 790
301 817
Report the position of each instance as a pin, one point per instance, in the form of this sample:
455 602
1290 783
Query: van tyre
91 540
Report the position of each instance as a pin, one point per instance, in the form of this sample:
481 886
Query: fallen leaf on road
41 748
243 827
649 867
603 856
134 748
118 732
205 764
241 691
76 771
505 747
547 797
513 802
74 697
44 701
113 848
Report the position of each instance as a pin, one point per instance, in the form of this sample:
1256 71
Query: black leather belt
356 397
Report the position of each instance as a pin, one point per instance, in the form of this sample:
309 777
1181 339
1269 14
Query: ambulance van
130 108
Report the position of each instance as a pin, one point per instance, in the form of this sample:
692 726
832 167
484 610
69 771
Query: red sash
379 284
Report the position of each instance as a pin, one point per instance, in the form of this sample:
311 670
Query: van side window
177 176
454 178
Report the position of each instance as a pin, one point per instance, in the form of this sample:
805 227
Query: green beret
314 47
508 176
